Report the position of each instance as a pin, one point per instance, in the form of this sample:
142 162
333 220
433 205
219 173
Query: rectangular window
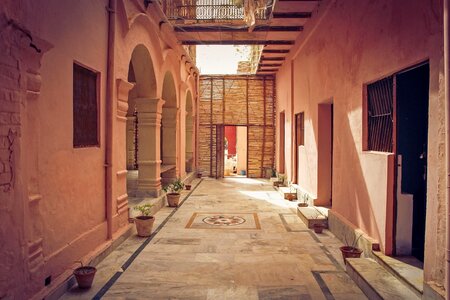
300 129
85 107
380 118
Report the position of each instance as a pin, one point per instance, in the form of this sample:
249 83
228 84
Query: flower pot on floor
188 187
350 252
84 276
318 228
144 225
173 199
302 204
290 196
199 175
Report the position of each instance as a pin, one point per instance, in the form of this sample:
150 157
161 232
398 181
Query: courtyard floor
234 238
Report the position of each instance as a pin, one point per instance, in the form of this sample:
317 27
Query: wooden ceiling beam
272 58
237 42
275 51
236 29
269 65
298 0
292 15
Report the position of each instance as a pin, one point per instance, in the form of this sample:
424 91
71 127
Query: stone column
189 148
130 142
149 139
170 118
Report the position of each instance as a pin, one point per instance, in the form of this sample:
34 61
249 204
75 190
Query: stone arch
143 123
141 74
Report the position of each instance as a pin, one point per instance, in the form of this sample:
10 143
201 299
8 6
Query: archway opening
141 74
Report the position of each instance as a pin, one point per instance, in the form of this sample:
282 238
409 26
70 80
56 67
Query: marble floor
234 238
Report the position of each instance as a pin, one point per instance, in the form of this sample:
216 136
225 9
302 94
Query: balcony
213 11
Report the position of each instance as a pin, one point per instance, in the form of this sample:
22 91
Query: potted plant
292 195
351 251
199 174
305 199
318 227
84 276
172 190
144 222
280 181
188 187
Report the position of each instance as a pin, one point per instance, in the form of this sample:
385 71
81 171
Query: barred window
380 120
85 107
300 129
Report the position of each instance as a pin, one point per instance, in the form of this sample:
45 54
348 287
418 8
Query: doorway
325 154
235 151
412 96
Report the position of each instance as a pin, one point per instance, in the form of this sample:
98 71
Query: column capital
149 105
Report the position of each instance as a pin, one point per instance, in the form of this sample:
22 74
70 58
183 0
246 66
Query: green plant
174 187
291 187
354 243
274 173
145 209
305 198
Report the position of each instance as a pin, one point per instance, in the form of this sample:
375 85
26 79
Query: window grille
380 102
85 111
300 129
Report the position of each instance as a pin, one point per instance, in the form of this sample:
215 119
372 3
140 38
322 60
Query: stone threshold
407 269
376 282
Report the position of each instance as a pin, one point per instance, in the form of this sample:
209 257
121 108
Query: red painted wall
230 134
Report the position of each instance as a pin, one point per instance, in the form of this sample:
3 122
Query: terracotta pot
144 225
173 199
84 276
318 228
302 204
188 187
290 196
199 175
350 252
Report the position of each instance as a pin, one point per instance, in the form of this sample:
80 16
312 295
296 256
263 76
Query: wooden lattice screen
238 100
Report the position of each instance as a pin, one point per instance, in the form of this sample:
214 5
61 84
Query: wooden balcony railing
207 10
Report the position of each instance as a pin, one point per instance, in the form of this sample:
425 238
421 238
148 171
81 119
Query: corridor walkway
265 251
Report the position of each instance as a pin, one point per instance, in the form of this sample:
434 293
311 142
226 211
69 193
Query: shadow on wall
351 197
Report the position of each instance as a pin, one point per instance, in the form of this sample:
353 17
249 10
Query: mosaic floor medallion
200 220
223 220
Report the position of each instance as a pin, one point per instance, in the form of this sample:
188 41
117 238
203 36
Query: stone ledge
310 216
411 276
375 281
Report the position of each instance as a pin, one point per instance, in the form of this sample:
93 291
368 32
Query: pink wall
348 44
55 212
230 134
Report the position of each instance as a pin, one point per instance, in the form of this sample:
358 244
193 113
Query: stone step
376 282
311 215
407 269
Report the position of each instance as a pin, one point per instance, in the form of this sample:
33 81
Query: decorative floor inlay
224 221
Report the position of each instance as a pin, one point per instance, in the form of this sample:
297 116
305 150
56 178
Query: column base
148 188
